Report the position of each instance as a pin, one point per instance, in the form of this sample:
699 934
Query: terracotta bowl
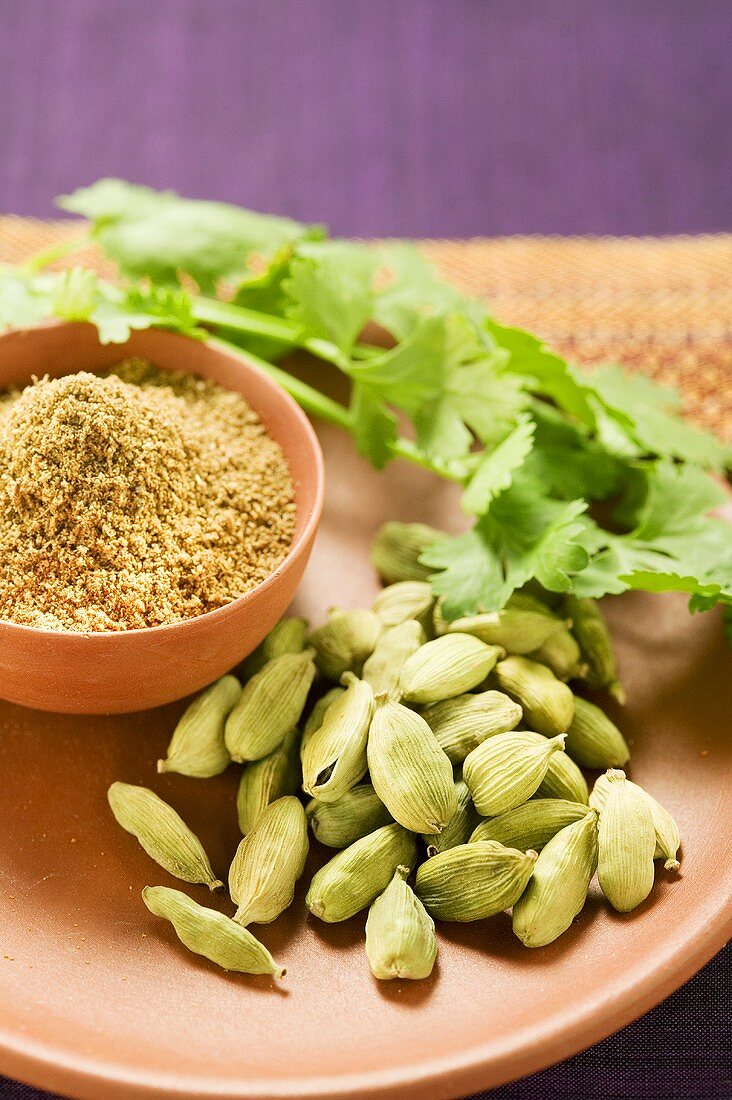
114 672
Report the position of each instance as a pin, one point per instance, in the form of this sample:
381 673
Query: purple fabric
680 1051
404 117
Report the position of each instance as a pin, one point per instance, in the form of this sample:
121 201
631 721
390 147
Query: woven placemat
660 305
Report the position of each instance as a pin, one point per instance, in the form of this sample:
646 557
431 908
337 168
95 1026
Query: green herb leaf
496 469
329 290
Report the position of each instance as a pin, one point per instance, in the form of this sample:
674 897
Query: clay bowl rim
313 508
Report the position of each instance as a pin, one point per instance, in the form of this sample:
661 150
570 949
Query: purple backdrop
410 117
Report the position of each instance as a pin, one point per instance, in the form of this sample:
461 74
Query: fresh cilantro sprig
589 483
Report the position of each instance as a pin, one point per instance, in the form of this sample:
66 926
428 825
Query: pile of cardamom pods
447 751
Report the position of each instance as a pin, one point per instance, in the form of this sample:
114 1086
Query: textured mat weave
661 305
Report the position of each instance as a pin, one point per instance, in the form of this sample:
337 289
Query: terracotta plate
97 999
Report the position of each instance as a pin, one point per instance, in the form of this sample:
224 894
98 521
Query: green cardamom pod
504 771
543 604
197 747
557 890
353 878
393 649
334 758
593 741
268 863
462 723
461 825
627 844
531 825
355 814
561 653
270 705
668 839
409 771
317 714
473 881
162 833
396 549
516 630
287 636
400 933
211 934
447 666
405 600
548 704
590 630
563 779
343 643
264 781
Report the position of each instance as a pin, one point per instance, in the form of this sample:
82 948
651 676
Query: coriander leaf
497 467
329 290
24 301
676 498
75 294
410 375
414 290
374 425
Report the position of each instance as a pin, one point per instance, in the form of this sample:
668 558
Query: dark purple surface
405 117
680 1051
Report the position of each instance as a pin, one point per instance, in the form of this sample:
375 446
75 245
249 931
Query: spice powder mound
135 498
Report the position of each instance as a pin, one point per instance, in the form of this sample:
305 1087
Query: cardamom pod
400 933
356 813
627 843
162 833
343 643
461 825
590 630
504 771
473 881
548 704
395 646
405 600
396 549
541 601
531 825
557 890
334 758
317 714
561 653
197 747
353 878
462 723
264 781
447 666
211 934
593 741
516 630
668 839
563 779
287 636
270 705
268 863
409 771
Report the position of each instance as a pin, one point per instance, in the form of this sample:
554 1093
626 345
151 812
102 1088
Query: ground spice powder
135 498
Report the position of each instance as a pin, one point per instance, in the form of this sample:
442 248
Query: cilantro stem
46 256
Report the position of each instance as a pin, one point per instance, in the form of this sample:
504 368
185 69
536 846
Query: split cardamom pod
270 705
400 933
162 833
343 643
409 771
668 839
561 653
473 881
268 863
197 747
531 825
461 825
405 600
590 630
504 771
557 890
593 740
393 649
264 781
211 934
334 757
446 667
396 549
317 714
353 878
548 704
627 844
355 814
462 723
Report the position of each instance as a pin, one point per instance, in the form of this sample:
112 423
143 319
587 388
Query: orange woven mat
661 305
